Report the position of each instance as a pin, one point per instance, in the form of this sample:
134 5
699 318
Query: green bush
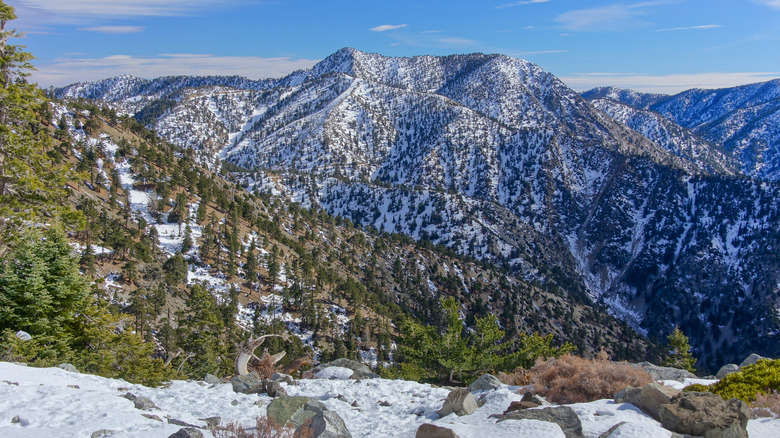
760 378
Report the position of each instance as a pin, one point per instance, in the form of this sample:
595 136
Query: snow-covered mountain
745 120
498 159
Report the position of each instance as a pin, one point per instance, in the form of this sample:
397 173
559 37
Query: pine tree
679 352
31 183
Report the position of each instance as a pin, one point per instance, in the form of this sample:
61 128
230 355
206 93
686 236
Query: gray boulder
705 414
211 379
325 424
666 373
359 370
460 401
653 395
750 360
248 384
535 398
486 382
432 431
296 410
727 369
280 377
612 430
68 367
628 395
102 433
563 416
144 403
187 432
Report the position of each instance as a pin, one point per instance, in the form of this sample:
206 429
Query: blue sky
661 46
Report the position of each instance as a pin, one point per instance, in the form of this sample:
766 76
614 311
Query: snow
338 373
48 407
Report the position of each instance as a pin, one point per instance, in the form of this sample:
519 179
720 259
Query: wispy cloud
665 84
771 3
705 26
67 70
118 8
386 27
606 18
432 31
522 3
114 29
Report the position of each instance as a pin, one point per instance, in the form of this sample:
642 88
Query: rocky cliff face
498 159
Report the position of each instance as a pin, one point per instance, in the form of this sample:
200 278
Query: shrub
263 428
572 379
762 377
766 405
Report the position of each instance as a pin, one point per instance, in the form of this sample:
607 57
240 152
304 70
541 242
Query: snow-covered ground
51 402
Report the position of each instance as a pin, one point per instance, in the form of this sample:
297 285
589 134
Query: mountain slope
499 160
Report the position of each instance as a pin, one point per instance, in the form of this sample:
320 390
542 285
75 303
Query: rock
187 432
211 422
750 360
705 414
68 367
275 389
385 403
102 433
628 395
211 379
295 410
74 386
248 384
280 377
144 403
130 396
611 430
360 371
563 416
460 401
180 423
235 402
19 420
432 431
727 369
535 398
354 404
485 382
334 373
653 395
22 335
666 373
325 424
520 405
152 417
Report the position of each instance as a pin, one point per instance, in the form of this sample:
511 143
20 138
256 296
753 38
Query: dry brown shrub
519 377
572 379
766 405
263 429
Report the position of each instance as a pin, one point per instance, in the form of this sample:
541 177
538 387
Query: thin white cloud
615 17
522 3
432 31
771 3
386 27
114 29
665 84
117 8
67 70
705 26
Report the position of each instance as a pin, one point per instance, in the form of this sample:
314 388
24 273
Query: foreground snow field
51 402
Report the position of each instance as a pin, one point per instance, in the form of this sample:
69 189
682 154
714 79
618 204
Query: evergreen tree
31 183
679 351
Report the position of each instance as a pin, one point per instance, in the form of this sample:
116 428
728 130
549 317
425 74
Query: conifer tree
31 183
679 351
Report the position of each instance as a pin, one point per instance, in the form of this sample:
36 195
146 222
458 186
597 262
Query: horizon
663 46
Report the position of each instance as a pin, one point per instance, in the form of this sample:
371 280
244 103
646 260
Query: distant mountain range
665 208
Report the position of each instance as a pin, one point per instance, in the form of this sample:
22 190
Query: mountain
743 119
499 160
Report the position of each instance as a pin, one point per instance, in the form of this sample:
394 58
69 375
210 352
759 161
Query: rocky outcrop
248 384
705 414
485 382
432 431
293 410
666 373
653 395
750 360
326 424
563 416
727 369
459 401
